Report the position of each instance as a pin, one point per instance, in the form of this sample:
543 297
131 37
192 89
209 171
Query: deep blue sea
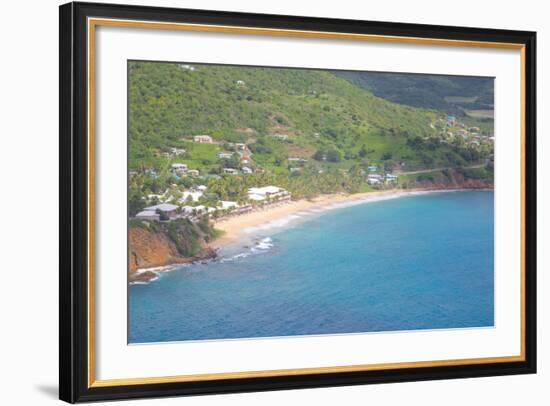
415 262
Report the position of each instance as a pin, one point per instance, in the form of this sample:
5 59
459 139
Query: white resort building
148 215
191 195
268 193
391 178
167 209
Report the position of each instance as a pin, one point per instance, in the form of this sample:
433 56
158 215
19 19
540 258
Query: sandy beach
234 227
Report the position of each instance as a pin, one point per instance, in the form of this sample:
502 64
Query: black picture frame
74 199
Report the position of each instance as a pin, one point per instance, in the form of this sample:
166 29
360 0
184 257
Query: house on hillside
193 172
177 151
164 209
202 139
178 169
240 146
246 170
391 178
373 168
230 171
225 155
240 83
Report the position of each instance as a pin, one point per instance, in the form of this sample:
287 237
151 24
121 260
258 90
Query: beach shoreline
236 228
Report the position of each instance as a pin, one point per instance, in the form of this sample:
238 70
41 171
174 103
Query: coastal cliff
154 245
452 179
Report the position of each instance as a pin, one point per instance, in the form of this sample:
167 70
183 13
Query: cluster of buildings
233 149
240 150
180 170
259 198
453 129
374 178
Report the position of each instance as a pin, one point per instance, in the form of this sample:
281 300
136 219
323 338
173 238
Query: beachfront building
391 178
202 139
164 209
188 195
268 193
186 211
202 209
227 205
374 179
148 215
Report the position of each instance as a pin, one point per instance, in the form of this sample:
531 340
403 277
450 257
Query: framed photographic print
257 202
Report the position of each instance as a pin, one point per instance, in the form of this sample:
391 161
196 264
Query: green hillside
321 115
307 131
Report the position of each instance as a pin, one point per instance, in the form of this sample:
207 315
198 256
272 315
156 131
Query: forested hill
279 114
452 94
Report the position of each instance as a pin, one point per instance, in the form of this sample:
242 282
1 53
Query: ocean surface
415 262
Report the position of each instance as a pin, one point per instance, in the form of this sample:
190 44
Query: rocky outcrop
153 248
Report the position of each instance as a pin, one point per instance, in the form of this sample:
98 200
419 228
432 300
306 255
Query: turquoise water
414 262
